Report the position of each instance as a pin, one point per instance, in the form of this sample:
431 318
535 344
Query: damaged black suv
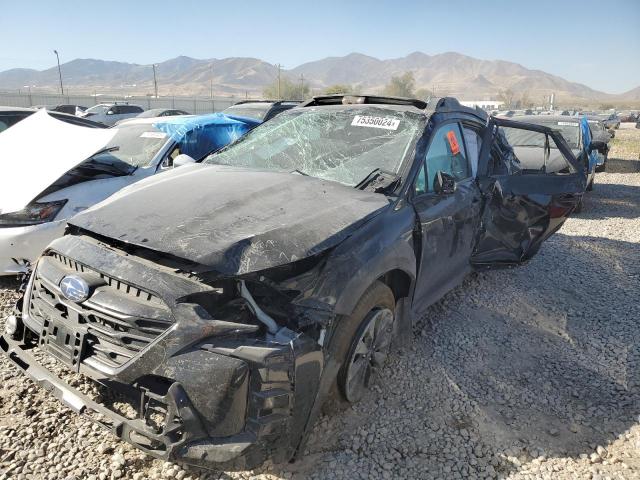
228 300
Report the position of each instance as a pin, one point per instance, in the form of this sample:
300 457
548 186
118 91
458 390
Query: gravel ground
526 373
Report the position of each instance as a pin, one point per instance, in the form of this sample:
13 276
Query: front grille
116 322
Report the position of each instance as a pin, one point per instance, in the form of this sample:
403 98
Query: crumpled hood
39 150
233 220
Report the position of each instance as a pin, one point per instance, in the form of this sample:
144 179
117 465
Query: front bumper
183 440
203 392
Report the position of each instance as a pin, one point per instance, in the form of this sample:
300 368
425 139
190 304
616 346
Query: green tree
401 86
338 89
289 90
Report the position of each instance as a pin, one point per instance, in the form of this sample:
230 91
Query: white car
71 168
110 113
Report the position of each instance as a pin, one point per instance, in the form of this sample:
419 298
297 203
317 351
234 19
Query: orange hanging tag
453 142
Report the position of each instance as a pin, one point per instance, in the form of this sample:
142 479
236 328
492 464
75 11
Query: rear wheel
363 340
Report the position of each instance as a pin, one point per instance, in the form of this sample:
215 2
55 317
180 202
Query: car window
445 154
7 121
537 152
123 109
115 110
473 142
96 109
135 145
257 112
570 130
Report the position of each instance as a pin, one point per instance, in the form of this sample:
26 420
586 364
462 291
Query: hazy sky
595 42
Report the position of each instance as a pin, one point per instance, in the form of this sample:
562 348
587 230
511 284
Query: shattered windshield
250 111
133 145
526 138
339 144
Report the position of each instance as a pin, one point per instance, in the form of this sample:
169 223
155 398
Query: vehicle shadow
514 365
9 283
611 200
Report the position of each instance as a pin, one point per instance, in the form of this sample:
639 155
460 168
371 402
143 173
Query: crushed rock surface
522 373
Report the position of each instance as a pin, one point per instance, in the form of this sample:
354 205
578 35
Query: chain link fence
193 105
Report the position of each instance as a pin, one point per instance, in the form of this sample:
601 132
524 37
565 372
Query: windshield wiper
107 168
117 168
105 150
379 181
299 172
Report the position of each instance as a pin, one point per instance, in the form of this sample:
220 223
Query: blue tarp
586 142
202 134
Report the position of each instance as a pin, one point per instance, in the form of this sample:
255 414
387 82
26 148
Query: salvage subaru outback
228 300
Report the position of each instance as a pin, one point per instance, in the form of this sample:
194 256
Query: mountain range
446 73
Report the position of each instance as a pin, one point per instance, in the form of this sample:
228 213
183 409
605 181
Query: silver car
110 113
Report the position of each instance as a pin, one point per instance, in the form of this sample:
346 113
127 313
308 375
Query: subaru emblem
74 288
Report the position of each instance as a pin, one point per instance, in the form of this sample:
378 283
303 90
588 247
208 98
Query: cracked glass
338 144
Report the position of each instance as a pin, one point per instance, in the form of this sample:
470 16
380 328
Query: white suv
110 113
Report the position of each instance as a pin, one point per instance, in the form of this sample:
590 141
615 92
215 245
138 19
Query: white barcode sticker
153 135
376 122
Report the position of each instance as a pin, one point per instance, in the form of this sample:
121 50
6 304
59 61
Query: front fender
384 244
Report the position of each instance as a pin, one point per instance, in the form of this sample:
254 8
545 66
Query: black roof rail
360 99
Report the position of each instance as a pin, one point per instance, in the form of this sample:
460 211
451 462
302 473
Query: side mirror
182 160
443 183
110 112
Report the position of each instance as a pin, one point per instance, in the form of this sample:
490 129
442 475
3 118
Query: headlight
32 214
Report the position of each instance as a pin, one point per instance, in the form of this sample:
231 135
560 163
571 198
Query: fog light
11 325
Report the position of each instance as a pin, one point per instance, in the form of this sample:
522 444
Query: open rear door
531 182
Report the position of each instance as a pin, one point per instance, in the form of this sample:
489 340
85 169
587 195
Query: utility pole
301 86
279 69
211 82
155 80
59 72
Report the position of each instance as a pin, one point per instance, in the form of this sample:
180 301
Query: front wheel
363 340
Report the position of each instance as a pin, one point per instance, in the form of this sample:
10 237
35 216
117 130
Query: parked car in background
261 110
9 116
611 121
237 295
70 169
156 112
576 133
110 113
64 108
629 117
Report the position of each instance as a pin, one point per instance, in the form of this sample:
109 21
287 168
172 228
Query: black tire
376 298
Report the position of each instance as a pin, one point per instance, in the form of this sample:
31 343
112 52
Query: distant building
484 104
